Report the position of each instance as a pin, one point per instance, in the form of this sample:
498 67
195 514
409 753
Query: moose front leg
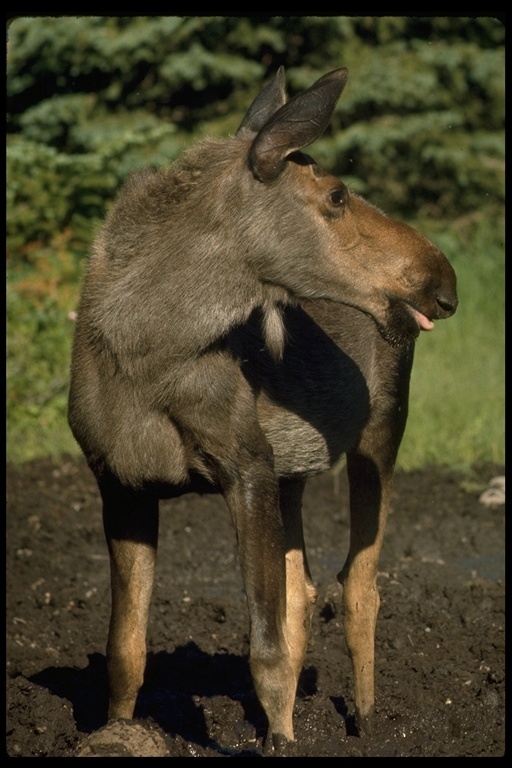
369 504
252 496
130 522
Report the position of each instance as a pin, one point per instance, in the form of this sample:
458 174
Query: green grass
457 401
457 389
42 290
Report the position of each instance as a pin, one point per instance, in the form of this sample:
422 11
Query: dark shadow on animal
244 321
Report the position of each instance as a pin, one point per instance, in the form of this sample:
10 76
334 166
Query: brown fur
195 368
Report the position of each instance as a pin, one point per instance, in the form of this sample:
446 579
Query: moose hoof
277 745
365 724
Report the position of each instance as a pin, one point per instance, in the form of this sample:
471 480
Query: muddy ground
440 640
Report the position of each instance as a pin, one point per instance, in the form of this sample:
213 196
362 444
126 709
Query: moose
244 322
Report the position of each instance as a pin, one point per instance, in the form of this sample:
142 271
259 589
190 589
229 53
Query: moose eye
338 197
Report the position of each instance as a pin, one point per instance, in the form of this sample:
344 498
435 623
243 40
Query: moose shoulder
244 321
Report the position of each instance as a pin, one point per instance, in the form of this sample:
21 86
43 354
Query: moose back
244 321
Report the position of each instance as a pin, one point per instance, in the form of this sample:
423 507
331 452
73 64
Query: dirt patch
440 638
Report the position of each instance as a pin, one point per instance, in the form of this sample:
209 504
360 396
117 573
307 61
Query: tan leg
369 503
131 529
301 595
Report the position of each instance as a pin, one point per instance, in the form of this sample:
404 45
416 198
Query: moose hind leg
369 502
301 595
130 520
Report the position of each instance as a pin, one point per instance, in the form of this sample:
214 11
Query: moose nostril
447 305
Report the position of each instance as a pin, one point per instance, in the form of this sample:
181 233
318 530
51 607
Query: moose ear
295 125
271 98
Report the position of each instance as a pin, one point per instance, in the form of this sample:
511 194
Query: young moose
244 321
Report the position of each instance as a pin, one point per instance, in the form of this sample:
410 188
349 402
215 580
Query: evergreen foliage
419 131
420 128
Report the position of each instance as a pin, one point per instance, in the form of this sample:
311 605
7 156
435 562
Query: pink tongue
423 321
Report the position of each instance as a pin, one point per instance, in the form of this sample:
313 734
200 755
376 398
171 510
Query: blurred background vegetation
419 131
